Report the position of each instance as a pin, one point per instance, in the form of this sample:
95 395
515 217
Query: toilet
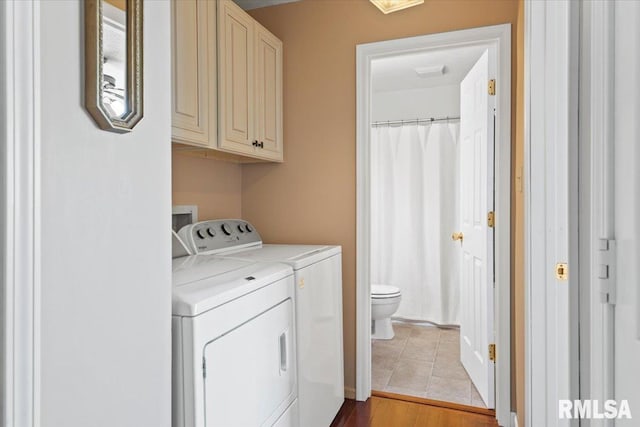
385 301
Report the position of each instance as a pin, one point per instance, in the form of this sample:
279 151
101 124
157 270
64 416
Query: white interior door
476 200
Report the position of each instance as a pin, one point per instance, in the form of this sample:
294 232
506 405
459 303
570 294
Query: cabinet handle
255 143
261 144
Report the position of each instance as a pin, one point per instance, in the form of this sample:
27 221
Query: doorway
421 154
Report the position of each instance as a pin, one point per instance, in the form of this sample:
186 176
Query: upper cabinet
250 84
236 81
227 81
194 104
268 92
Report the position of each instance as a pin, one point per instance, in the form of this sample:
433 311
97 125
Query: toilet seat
384 291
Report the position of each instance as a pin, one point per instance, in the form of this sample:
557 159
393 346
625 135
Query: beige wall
213 185
311 198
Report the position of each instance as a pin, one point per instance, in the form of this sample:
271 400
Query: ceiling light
433 71
388 6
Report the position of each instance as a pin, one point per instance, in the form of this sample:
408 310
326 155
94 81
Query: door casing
551 209
499 38
20 214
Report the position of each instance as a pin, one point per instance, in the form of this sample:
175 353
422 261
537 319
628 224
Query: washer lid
203 282
298 256
198 267
384 291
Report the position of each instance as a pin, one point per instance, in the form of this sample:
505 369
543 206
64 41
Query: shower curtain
414 210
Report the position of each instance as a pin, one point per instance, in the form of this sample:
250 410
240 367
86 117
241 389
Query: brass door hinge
491 218
562 271
492 87
492 352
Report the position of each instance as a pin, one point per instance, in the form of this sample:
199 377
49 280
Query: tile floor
422 361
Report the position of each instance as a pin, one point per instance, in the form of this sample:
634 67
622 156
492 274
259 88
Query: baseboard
514 419
350 393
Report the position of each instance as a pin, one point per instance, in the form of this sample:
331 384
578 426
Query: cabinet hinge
204 368
492 87
606 271
492 352
491 218
562 271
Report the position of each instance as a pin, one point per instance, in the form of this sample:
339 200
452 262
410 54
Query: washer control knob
248 228
240 229
226 229
211 232
200 234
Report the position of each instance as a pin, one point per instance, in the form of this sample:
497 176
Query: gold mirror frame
93 58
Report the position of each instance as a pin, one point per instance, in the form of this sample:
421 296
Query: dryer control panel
219 235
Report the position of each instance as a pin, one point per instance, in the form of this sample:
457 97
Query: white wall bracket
606 270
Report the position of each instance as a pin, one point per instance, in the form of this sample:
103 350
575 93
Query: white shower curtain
414 210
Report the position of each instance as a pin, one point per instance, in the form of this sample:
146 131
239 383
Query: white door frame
551 208
597 194
606 108
500 37
20 213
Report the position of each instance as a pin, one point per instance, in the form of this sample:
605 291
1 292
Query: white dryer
234 351
318 296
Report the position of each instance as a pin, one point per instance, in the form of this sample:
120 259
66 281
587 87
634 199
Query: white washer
318 296
233 332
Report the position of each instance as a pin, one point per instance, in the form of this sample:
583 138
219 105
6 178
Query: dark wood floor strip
347 409
387 412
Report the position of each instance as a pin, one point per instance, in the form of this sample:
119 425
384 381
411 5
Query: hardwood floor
384 412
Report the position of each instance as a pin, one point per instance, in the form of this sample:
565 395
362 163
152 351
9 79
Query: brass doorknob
457 236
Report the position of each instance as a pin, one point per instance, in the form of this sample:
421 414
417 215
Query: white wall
106 275
440 101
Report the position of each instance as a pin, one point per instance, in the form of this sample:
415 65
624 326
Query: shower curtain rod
416 121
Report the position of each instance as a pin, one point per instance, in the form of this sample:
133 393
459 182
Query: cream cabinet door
236 79
194 100
268 101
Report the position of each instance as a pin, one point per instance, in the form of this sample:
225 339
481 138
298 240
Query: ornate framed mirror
113 63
